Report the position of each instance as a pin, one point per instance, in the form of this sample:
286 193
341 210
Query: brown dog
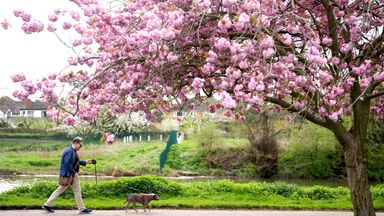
141 198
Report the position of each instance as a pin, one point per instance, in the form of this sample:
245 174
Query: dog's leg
145 204
127 205
134 206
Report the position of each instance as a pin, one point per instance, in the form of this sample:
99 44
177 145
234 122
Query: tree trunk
357 172
263 147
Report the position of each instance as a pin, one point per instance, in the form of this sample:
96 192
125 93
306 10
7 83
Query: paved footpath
172 212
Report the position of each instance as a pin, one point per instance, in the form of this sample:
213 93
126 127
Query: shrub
282 188
319 193
378 191
140 184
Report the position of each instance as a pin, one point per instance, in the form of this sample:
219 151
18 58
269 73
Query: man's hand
93 161
89 161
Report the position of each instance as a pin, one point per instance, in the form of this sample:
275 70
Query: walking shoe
85 211
47 209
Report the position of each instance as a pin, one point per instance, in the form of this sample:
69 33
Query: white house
36 113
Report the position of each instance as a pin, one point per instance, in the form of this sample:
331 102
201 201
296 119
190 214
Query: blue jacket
67 160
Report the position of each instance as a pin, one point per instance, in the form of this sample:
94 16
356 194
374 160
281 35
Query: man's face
78 146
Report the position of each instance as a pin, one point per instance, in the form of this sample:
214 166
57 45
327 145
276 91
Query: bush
378 191
282 188
319 193
140 184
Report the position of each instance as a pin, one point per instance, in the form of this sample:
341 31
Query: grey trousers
76 190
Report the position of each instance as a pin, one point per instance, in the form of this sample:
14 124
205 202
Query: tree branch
375 95
304 113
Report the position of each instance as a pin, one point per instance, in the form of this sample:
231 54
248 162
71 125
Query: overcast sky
34 55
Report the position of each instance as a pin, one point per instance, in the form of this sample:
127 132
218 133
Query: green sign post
163 155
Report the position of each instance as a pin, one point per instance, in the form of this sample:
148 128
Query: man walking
70 166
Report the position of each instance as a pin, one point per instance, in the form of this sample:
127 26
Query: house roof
6 103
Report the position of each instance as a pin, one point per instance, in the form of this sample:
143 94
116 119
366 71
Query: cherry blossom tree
320 59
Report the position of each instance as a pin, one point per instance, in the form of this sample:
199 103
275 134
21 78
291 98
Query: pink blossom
299 105
225 22
208 69
244 64
242 118
227 101
18 12
5 24
334 116
32 27
346 47
76 42
18 77
212 57
75 15
197 84
212 108
69 120
335 60
172 57
72 101
67 25
327 41
233 73
260 87
252 84
365 82
222 44
52 17
287 39
293 29
266 42
191 106
204 3
355 33
351 20
87 40
243 21
251 5
79 29
29 87
379 76
21 95
53 114
51 27
26 17
268 52
224 84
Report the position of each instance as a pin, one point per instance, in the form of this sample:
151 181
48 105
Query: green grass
43 157
213 194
